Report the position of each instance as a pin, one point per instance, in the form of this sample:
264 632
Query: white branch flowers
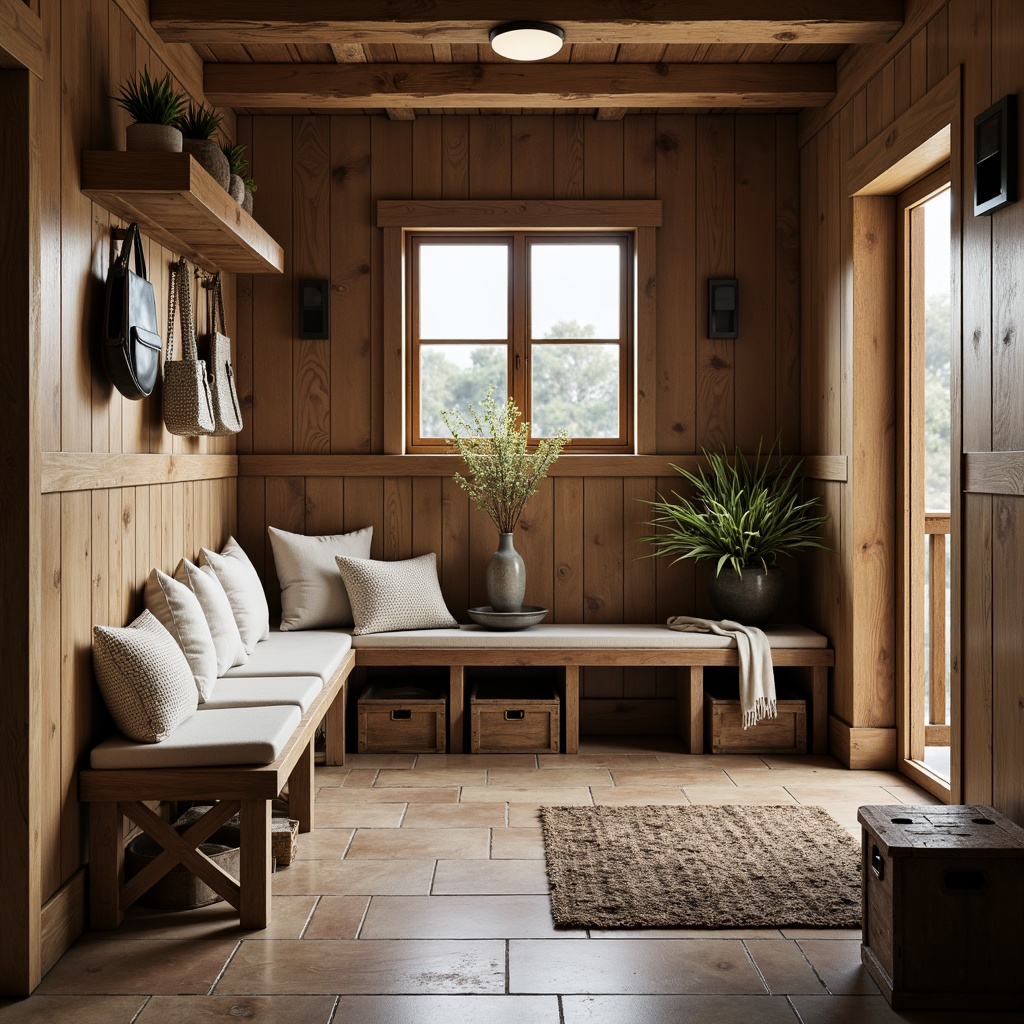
503 473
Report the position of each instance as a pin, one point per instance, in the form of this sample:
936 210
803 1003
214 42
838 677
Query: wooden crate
784 734
943 902
401 720
507 719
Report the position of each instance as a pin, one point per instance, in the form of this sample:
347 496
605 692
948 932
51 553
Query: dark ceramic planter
750 598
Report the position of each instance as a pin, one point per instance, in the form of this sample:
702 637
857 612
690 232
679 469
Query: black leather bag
131 340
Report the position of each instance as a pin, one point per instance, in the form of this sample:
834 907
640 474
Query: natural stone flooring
421 899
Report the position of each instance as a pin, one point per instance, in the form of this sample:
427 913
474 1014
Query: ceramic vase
236 189
506 577
749 598
148 138
212 159
247 202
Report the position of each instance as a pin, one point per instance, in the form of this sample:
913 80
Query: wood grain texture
597 212
63 471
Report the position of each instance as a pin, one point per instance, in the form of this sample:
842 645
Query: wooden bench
573 647
248 790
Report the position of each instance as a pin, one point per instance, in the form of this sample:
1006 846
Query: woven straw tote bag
188 406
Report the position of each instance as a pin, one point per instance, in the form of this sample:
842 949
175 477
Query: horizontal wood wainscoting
579 538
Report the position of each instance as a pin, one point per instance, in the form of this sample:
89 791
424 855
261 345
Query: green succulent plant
199 122
250 184
746 513
151 101
238 164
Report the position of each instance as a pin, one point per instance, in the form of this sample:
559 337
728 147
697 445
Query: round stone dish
528 615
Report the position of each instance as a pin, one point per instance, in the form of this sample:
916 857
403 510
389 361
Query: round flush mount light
526 40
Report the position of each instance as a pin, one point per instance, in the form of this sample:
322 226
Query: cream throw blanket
757 680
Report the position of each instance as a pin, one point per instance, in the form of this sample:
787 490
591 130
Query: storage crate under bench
784 734
401 720
514 719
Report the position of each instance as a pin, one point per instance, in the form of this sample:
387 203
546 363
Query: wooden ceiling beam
21 37
390 86
584 21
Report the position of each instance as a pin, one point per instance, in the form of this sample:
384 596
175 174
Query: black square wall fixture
995 156
723 308
314 309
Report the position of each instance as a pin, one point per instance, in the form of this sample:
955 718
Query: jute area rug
700 866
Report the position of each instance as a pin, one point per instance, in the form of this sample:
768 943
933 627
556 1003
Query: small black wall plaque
723 308
314 309
995 156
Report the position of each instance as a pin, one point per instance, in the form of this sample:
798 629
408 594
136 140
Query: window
546 318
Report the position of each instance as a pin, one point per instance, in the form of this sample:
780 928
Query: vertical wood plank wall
98 544
729 185
983 38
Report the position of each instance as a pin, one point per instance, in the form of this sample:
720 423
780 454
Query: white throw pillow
313 594
180 613
245 592
227 641
387 596
145 679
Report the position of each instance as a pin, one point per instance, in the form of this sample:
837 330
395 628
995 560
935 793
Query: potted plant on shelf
250 189
503 476
197 126
154 106
743 516
238 165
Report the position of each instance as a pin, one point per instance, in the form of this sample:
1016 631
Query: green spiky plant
198 122
250 185
236 161
493 440
151 101
742 514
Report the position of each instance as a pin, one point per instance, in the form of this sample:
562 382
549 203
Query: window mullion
519 362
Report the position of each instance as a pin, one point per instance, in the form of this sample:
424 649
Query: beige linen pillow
179 612
387 596
313 594
144 678
245 591
227 641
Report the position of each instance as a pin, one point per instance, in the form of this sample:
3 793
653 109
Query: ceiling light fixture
526 40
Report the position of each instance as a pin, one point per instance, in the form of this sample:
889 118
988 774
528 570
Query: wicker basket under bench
248 790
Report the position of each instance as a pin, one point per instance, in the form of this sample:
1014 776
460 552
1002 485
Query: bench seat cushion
264 692
215 737
613 636
310 652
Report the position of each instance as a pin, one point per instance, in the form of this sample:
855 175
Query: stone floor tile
40 1009
431 777
684 933
633 778
643 796
677 1010
834 775
524 816
486 761
331 776
783 967
311 966
742 795
838 965
628 966
666 744
907 794
462 917
561 761
517 844
115 965
538 797
415 843
360 778
357 760
355 878
822 933
447 1010
714 762
261 1009
875 1010
363 814
289 915
337 917
471 815
327 842
398 795
489 878
522 778
813 793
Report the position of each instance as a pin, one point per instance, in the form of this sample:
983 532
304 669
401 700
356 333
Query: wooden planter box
943 901
784 734
513 720
401 720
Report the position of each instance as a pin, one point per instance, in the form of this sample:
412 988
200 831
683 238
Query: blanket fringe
763 708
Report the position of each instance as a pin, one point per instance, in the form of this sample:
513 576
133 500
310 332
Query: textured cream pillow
387 596
179 612
312 592
227 641
144 678
245 592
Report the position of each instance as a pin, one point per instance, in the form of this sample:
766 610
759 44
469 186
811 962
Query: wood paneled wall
729 189
983 38
97 543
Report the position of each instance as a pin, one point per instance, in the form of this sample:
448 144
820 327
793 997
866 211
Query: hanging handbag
131 340
215 348
188 408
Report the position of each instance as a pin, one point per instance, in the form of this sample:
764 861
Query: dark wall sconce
314 309
723 308
995 156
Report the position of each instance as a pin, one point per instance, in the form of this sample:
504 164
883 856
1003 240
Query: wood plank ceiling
620 56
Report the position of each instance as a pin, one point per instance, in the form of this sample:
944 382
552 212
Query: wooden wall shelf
179 205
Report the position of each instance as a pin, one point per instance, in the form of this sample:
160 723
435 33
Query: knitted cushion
220 618
395 595
245 592
145 679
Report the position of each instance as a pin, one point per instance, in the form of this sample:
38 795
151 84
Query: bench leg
335 753
572 709
106 864
456 680
690 704
819 709
301 790
254 868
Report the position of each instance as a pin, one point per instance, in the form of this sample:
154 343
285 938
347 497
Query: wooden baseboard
627 717
862 747
62 919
